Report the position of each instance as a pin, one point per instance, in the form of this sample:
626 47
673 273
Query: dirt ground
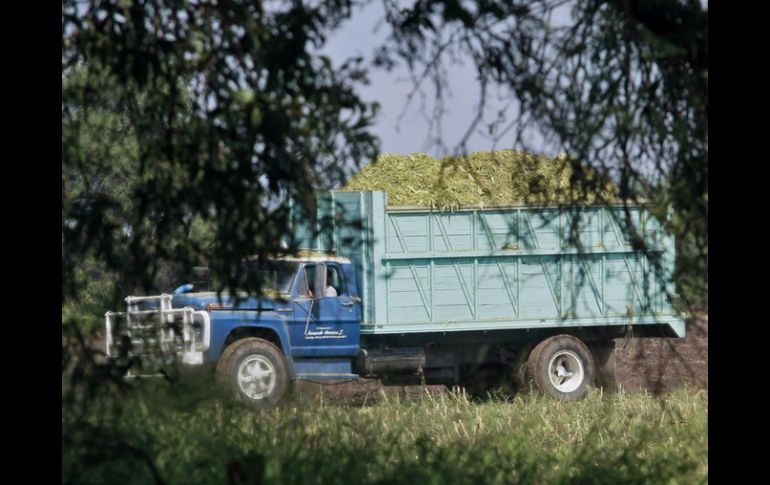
661 364
362 391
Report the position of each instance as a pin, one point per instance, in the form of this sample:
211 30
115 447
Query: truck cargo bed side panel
518 267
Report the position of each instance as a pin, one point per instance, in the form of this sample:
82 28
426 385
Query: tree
622 87
227 113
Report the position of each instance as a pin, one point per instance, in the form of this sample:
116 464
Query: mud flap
604 355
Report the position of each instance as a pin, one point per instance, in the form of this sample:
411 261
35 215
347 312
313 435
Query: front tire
255 371
562 367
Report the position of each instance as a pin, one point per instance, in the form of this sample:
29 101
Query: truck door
325 325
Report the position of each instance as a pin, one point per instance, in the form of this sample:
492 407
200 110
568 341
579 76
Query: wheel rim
256 377
566 371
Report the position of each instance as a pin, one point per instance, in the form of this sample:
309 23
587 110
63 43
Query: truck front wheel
562 367
255 371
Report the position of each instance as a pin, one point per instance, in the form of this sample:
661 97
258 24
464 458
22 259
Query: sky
405 129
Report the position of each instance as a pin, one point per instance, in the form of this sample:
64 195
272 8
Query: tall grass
168 435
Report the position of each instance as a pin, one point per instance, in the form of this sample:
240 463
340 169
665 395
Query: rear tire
255 372
562 367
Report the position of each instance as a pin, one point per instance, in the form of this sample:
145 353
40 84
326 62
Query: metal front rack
152 330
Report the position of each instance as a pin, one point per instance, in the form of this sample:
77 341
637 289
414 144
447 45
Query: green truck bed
498 268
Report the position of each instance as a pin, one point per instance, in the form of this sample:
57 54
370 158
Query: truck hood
200 301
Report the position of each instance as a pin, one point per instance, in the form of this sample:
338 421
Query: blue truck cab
317 335
305 325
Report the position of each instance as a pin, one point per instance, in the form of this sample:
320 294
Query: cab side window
304 287
334 283
334 280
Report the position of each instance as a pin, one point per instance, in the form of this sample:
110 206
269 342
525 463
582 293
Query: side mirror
319 281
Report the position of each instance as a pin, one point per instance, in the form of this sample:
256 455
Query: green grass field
176 436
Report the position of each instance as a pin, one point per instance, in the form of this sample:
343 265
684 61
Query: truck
535 295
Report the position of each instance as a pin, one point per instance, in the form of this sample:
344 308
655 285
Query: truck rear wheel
255 371
563 367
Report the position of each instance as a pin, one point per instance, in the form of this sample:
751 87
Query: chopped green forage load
482 179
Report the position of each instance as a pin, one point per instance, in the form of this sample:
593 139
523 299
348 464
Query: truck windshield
277 276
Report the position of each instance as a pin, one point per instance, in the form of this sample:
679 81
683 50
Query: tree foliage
622 87
177 112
